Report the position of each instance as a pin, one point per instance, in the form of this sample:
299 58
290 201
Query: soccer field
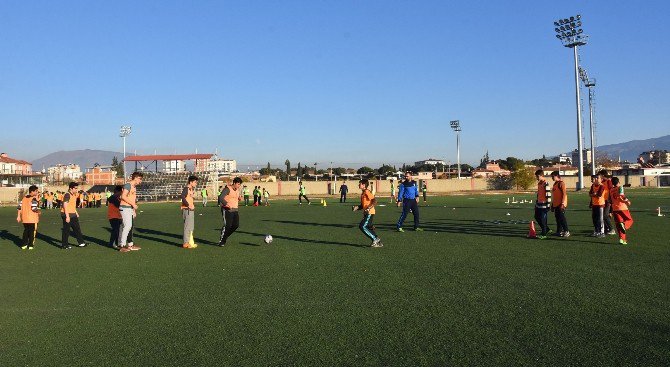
469 290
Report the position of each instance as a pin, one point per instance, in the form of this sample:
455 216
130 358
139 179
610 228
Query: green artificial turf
469 290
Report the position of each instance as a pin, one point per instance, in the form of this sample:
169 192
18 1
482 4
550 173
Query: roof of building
12 160
167 157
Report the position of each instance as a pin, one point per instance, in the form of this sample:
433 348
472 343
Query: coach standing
408 195
344 189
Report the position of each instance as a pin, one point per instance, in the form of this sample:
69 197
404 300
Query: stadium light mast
590 84
571 34
456 126
125 131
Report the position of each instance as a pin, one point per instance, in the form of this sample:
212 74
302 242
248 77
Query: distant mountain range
84 158
629 151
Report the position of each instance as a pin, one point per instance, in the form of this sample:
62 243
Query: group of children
606 197
261 196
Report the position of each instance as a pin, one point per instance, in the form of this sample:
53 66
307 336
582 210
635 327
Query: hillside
631 150
84 158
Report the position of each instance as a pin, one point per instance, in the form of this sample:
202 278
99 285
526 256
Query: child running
620 212
29 215
368 203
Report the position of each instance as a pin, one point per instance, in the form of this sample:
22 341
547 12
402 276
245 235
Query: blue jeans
541 219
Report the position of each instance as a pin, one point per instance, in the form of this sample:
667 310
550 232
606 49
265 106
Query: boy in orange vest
188 212
620 204
559 203
597 205
368 203
114 217
29 214
70 217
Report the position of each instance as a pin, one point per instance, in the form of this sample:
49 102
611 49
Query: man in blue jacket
408 195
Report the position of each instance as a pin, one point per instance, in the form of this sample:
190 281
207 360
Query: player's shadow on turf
311 223
146 231
304 240
6 235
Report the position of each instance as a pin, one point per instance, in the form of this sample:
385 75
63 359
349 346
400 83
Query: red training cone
531 231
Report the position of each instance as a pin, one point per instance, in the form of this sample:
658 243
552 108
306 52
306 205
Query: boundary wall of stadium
10 195
383 187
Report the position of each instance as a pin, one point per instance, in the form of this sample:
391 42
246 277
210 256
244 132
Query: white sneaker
377 243
81 245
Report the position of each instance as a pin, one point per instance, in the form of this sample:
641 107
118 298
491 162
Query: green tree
118 167
385 169
288 169
523 178
339 171
365 171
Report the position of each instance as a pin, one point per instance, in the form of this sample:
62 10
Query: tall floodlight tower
569 31
125 131
590 84
456 126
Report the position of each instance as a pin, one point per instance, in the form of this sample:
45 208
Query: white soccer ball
268 239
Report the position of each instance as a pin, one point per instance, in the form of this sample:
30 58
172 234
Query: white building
586 155
174 166
431 161
63 172
222 165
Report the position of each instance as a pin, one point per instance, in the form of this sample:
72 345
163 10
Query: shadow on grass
145 232
479 227
311 223
305 240
6 235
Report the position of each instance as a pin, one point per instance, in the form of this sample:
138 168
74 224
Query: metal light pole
456 126
590 84
570 32
316 178
125 131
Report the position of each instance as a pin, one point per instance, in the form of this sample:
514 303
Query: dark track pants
561 222
114 236
29 232
343 197
231 221
74 227
597 217
302 196
367 227
407 205
606 217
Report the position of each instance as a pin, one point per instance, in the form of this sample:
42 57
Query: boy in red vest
620 212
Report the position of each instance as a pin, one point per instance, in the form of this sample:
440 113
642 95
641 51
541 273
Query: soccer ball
268 239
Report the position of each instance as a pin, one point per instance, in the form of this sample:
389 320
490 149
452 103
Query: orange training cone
531 231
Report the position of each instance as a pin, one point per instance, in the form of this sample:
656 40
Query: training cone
324 202
658 212
531 231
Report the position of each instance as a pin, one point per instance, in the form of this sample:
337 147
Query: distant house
63 172
492 169
430 161
100 175
17 172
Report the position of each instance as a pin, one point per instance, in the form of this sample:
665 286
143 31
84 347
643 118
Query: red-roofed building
13 166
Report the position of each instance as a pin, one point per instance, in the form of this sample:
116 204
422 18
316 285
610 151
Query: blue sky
354 82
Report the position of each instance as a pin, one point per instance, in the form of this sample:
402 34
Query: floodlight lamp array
125 131
570 32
